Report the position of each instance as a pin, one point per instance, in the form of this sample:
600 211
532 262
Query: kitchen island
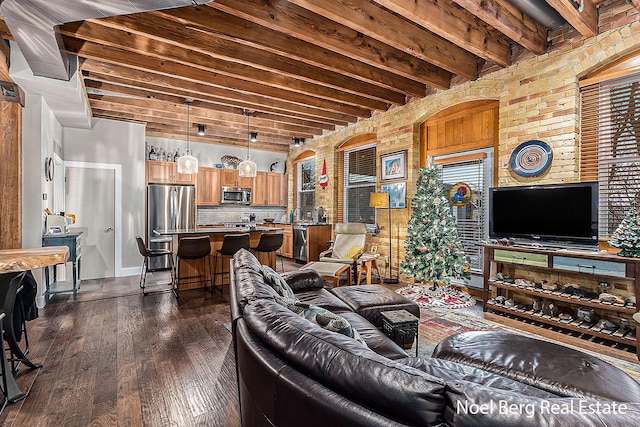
216 234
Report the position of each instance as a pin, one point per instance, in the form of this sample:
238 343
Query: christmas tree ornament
627 235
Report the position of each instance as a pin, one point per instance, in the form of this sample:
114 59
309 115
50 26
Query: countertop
14 260
303 224
214 230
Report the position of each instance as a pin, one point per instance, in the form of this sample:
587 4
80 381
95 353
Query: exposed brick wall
539 99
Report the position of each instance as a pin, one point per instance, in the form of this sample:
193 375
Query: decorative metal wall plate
531 158
48 169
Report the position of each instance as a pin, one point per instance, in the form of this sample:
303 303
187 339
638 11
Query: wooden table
330 271
12 263
16 260
367 262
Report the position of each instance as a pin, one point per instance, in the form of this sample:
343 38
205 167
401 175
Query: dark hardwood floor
116 358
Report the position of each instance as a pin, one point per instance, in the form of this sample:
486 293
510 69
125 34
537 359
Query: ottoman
552 367
371 300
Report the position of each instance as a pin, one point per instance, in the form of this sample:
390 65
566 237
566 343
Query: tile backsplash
224 214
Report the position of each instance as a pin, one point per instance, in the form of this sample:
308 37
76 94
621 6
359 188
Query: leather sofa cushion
370 300
303 279
558 369
322 298
452 371
272 392
528 411
375 339
345 366
249 282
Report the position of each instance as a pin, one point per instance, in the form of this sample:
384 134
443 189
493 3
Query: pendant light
248 168
188 163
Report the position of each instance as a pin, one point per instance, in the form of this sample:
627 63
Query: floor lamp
381 200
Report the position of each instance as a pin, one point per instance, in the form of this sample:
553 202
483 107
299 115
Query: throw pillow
355 250
274 280
322 317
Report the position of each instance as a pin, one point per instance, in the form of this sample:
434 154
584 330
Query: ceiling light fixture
201 129
188 163
296 142
247 168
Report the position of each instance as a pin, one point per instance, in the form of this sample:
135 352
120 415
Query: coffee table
402 327
330 271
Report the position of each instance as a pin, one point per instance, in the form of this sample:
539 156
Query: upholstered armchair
348 245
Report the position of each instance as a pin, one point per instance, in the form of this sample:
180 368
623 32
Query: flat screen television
554 214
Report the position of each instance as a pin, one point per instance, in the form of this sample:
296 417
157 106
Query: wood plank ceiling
299 67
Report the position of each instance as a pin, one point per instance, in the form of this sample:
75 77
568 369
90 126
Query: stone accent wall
539 99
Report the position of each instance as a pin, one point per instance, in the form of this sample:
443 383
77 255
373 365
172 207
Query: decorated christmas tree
433 250
627 235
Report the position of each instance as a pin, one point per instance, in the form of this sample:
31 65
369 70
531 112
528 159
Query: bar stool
151 253
231 244
270 242
193 248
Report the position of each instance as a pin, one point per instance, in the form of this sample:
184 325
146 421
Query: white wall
40 133
120 143
210 154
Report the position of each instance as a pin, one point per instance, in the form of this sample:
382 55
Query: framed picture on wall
393 166
397 194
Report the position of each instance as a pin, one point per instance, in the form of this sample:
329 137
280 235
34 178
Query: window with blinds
306 199
359 182
475 170
610 146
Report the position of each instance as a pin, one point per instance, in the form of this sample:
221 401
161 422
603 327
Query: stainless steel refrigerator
169 207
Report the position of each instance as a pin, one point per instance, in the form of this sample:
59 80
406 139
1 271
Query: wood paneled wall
463 127
11 175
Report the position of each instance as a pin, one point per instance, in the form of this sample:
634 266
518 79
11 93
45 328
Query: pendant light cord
248 130
188 121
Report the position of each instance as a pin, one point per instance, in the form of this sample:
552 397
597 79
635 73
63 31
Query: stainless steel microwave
235 195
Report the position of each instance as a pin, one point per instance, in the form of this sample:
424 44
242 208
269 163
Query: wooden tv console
583 268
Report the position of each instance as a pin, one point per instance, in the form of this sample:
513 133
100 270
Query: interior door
90 195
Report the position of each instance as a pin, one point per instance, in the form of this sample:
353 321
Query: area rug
438 297
437 324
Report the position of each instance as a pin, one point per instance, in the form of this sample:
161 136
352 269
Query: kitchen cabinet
514 295
287 241
267 189
208 187
230 178
167 173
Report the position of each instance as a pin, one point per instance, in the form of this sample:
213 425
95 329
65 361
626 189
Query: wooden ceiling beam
455 24
390 29
224 25
95 87
178 128
162 109
101 72
278 148
226 51
584 20
151 68
195 64
509 21
310 27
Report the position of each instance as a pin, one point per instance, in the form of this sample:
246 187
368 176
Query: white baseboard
131 271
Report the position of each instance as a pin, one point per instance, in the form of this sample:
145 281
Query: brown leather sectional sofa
294 373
